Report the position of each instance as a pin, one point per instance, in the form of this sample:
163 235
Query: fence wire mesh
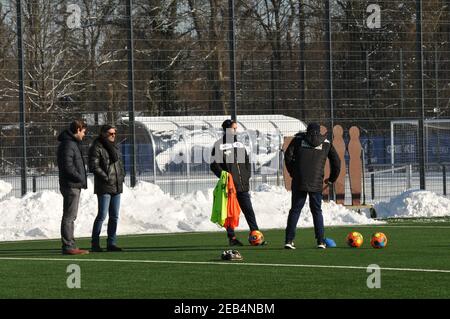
76 65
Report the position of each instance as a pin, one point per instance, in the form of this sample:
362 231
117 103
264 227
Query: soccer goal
403 148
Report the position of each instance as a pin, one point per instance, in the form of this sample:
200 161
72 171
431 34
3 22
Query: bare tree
158 55
208 18
7 57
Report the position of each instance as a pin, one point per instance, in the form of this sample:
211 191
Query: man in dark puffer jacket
72 178
305 161
230 155
106 163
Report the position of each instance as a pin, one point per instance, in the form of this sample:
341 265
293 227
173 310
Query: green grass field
188 265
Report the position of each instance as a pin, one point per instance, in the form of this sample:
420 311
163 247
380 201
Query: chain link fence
348 62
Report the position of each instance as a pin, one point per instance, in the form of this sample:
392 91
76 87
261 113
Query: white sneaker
322 246
289 245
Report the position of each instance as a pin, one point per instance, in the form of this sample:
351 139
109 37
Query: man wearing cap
305 161
230 155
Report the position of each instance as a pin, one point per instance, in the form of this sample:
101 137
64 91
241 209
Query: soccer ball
355 239
255 238
379 240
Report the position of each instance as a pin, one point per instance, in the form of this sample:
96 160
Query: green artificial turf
412 245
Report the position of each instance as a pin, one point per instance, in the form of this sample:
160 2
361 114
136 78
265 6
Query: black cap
227 124
313 128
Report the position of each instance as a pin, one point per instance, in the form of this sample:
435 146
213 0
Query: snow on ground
414 203
147 209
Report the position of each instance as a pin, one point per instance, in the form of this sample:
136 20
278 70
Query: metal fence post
231 40
129 7
409 176
444 180
402 103
23 169
420 91
188 165
363 166
372 185
34 184
329 65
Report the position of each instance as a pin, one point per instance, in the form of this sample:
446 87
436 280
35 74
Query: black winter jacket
71 165
108 176
305 161
233 158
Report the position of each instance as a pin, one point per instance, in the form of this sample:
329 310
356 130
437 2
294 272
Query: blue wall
378 149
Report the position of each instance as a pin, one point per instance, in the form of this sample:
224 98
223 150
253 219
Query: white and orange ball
255 238
379 240
355 239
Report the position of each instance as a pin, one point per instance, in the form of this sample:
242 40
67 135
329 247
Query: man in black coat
230 155
106 163
305 161
72 178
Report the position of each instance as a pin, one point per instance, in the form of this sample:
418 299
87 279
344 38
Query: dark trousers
315 204
246 206
70 209
107 204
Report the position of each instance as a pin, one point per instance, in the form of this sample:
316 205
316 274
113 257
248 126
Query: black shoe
114 248
235 242
289 245
96 249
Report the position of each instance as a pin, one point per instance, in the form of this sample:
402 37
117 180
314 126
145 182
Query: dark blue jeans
246 206
315 204
107 203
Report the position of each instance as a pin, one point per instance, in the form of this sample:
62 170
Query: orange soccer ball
355 239
255 238
379 240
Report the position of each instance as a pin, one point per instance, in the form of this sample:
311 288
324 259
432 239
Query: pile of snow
5 189
414 203
147 209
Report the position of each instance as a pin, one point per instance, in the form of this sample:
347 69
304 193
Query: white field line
219 263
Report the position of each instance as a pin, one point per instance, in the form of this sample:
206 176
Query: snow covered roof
265 123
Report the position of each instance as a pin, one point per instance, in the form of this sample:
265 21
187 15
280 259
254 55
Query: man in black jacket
305 161
106 163
72 178
230 155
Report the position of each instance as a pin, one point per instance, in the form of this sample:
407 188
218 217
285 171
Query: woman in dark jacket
106 163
